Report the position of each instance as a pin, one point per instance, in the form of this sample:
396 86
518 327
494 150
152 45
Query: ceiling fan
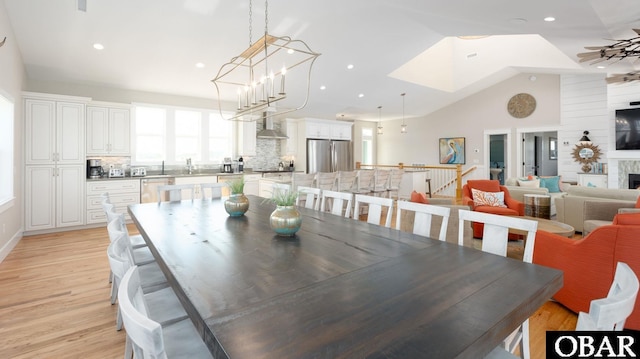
619 50
628 77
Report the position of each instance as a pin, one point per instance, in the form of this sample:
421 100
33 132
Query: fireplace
634 180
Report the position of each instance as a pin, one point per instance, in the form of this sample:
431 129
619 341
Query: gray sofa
406 222
518 192
601 213
570 207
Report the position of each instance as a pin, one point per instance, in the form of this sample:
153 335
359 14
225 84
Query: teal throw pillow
551 183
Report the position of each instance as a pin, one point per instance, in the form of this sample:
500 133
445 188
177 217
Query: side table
537 205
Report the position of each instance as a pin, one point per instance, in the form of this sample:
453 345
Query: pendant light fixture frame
403 127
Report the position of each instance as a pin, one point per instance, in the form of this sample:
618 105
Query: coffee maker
94 168
226 165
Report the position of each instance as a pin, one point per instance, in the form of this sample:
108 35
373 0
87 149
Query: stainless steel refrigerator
329 156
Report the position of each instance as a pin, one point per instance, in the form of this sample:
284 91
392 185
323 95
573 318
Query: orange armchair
513 206
589 264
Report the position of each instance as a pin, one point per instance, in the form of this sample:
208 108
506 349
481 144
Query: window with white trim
6 153
367 146
187 130
150 139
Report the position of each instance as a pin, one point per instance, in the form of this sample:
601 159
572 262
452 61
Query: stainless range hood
268 131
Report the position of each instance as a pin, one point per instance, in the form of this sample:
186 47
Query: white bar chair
610 313
423 215
303 179
364 182
495 238
395 178
347 180
326 180
310 197
380 182
340 201
375 205
175 191
215 189
149 338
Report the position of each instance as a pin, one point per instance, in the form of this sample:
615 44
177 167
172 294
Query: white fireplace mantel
618 176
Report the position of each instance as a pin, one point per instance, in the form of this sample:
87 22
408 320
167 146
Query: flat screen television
628 129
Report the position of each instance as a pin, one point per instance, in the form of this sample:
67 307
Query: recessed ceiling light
200 65
361 95
350 66
98 46
323 87
549 19
290 51
601 67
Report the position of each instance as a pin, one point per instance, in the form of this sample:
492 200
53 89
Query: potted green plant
285 220
237 203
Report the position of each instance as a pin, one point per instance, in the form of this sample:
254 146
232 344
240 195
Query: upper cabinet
54 132
108 131
290 145
247 141
327 129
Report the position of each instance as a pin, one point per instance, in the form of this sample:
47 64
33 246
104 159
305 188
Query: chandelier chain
266 17
250 22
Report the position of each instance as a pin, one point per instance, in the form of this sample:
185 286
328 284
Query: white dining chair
148 337
375 206
214 188
423 216
495 239
152 278
174 191
141 255
310 197
610 313
137 241
338 203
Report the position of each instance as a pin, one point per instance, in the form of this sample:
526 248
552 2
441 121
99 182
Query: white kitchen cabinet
122 193
290 145
317 129
341 131
108 131
196 181
55 168
592 180
247 141
251 184
54 132
54 196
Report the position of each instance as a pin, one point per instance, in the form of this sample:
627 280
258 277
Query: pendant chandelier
403 127
379 118
256 77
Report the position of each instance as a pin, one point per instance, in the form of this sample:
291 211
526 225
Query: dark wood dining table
340 288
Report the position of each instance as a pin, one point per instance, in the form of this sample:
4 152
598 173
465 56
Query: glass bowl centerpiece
237 203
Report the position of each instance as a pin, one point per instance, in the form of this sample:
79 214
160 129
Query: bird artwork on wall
3 41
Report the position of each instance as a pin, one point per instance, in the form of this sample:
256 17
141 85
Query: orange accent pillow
627 219
638 202
419 197
485 185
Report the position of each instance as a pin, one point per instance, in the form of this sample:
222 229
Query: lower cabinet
54 197
121 193
251 185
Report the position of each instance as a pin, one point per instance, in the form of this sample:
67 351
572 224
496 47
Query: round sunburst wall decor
521 105
586 154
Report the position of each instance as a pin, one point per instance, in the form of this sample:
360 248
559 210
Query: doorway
539 153
497 154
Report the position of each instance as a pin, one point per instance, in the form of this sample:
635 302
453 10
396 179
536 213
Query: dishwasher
149 189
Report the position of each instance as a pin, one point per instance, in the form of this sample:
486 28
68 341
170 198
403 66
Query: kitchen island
340 288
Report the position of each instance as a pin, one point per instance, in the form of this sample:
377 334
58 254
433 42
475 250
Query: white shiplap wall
583 104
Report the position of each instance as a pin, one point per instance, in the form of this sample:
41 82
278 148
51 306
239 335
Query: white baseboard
8 247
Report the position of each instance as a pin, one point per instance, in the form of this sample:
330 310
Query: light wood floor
54 301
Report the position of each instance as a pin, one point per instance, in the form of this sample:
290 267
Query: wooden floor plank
54 301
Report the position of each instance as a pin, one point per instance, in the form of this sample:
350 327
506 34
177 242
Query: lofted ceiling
399 46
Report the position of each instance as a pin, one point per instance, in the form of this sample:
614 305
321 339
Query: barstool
428 180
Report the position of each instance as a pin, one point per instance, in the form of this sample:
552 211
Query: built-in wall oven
149 188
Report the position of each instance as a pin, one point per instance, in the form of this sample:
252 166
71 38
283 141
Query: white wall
11 84
469 118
